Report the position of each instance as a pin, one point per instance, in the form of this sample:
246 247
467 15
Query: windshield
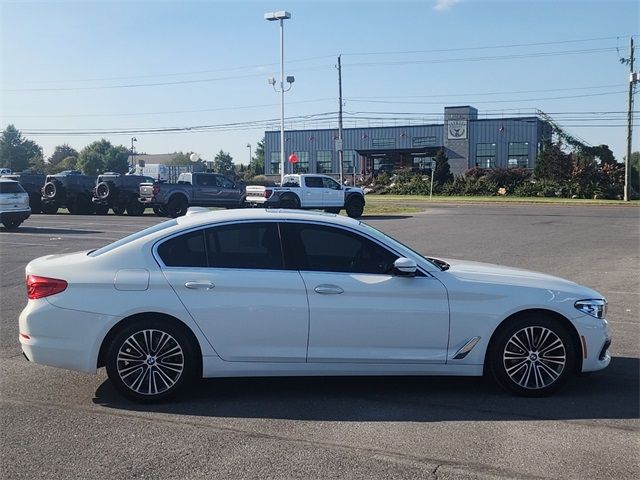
133 237
374 232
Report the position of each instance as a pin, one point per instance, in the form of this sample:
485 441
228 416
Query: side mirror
405 267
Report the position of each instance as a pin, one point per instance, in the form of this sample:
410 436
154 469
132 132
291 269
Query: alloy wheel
534 357
150 362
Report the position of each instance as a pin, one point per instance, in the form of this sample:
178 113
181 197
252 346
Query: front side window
330 183
223 182
518 154
313 182
486 155
323 161
322 248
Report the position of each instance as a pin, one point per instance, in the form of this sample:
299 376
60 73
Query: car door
360 311
313 192
229 193
206 190
232 281
333 193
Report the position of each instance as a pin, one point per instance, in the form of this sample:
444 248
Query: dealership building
466 140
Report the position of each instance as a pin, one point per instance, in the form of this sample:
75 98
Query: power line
459 49
478 59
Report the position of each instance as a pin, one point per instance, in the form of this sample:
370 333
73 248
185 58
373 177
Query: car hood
467 271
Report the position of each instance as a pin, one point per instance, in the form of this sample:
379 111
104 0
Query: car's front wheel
150 360
533 356
11 224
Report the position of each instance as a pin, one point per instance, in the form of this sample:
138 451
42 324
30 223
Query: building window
423 141
349 161
303 163
323 161
383 142
275 162
518 154
486 155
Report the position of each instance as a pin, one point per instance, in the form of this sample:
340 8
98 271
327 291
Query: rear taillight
267 193
40 287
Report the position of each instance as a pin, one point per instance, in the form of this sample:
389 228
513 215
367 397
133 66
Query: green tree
553 164
223 163
16 152
602 153
102 156
634 165
256 166
60 153
68 163
442 173
117 159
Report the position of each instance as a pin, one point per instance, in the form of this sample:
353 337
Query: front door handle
326 289
199 285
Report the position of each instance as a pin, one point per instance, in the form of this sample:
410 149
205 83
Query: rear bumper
15 215
60 337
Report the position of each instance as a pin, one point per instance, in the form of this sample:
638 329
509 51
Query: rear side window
328 249
10 187
186 250
313 182
245 245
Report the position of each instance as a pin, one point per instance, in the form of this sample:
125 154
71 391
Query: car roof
7 180
202 218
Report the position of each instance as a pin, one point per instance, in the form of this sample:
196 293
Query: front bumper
596 340
15 215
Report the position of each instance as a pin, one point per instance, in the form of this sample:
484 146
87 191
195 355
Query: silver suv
14 204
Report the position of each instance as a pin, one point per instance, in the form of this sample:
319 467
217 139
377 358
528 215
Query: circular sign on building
293 158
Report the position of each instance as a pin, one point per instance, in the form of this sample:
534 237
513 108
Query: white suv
14 204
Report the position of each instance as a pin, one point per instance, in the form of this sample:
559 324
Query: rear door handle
199 285
326 289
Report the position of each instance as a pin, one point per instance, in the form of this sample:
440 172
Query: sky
192 76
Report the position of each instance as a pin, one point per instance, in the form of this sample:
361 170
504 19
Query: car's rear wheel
135 208
160 211
533 356
355 207
177 207
11 224
101 209
290 202
49 208
150 360
119 210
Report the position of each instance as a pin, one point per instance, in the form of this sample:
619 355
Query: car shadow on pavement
610 394
54 231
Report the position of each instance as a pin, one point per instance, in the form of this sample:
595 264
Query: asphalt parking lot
60 424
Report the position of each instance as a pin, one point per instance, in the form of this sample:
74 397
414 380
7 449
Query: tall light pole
250 158
281 16
133 153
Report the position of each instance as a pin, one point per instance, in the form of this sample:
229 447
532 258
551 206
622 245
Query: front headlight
594 307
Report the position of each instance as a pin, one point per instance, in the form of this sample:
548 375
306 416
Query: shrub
261 180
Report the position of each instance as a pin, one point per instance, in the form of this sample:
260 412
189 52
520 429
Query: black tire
160 211
101 209
49 208
135 208
82 206
35 202
119 210
50 190
177 207
11 224
532 356
290 202
132 369
355 207
332 210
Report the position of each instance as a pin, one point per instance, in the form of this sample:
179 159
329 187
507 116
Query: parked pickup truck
192 189
309 191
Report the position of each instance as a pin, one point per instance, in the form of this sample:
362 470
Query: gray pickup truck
192 189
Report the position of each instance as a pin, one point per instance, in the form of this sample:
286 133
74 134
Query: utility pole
339 143
627 160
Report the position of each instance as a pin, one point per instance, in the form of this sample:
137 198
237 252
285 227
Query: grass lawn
374 200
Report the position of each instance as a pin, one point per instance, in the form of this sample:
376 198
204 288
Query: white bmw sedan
264 293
